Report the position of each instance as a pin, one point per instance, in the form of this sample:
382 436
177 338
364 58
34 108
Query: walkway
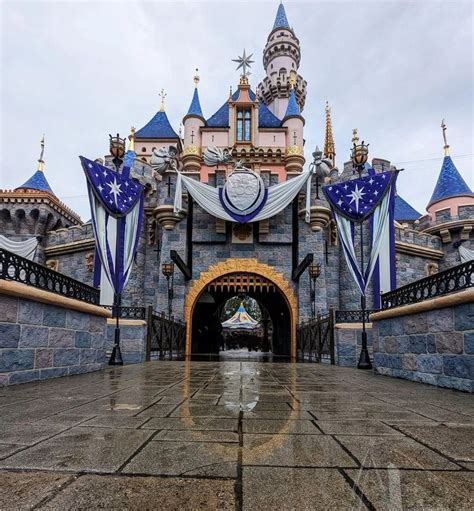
235 435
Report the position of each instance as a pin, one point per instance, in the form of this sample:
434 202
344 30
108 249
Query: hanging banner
354 201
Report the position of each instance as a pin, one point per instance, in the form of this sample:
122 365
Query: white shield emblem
243 189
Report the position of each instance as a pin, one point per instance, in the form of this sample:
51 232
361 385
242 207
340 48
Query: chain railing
316 339
166 337
352 316
19 269
448 281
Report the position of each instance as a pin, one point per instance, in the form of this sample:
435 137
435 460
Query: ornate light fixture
168 271
117 150
314 271
359 155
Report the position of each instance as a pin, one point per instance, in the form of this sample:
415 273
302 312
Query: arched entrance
258 280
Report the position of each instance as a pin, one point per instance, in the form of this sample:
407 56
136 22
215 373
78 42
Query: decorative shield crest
243 195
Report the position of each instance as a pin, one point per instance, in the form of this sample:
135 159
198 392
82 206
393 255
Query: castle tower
281 60
193 122
294 123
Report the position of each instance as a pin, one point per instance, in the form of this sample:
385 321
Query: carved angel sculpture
165 159
214 156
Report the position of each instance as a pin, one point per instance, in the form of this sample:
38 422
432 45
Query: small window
244 124
143 149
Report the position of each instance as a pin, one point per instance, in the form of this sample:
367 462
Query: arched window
244 124
143 149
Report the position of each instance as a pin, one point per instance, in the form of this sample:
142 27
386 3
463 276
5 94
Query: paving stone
185 458
7 449
400 452
25 490
81 448
139 493
192 423
27 434
356 427
267 488
278 426
189 435
202 411
414 489
294 450
115 421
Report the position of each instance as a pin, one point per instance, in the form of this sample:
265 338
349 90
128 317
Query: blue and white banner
354 201
117 210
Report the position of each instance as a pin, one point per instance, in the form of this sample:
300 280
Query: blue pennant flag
118 193
357 199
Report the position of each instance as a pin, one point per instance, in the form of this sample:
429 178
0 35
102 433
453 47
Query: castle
264 129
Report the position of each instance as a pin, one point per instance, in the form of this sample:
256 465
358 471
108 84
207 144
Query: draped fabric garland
117 209
465 254
275 199
25 248
354 201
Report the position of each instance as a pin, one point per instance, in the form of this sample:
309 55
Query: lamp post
168 271
314 271
359 157
117 150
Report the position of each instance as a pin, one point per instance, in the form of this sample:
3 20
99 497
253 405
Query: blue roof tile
450 183
37 181
267 119
281 21
195 106
292 109
158 127
405 212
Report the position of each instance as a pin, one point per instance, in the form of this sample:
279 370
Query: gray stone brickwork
132 341
435 347
348 342
39 341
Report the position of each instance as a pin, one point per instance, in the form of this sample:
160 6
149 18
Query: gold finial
446 145
329 145
131 137
196 78
292 79
355 137
40 160
163 95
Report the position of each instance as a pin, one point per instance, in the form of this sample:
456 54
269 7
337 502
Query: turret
193 122
281 60
293 121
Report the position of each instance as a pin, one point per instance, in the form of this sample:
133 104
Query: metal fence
353 316
166 337
316 339
449 281
17 268
128 312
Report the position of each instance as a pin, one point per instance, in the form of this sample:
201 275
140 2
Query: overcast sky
78 71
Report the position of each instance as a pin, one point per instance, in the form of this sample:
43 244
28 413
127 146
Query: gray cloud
78 71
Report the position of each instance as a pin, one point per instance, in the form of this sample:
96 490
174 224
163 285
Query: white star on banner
356 195
115 190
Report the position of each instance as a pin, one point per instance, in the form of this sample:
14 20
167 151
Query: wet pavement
235 435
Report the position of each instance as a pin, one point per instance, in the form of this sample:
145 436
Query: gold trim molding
240 265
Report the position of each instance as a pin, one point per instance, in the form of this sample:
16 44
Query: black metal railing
166 337
353 316
316 339
449 281
128 312
17 268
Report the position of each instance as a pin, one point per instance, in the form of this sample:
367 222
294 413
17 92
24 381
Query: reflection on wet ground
235 435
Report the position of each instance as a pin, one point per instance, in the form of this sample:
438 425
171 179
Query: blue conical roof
281 21
450 183
195 106
404 212
292 109
37 181
158 127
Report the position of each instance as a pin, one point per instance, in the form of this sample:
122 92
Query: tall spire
281 21
40 160
195 106
162 94
446 145
329 145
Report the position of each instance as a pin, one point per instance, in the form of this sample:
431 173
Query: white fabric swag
25 248
380 233
279 196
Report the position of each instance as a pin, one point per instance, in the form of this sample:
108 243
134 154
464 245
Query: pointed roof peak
195 106
293 109
281 21
40 159
450 183
38 180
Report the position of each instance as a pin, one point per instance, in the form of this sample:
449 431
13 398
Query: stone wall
432 346
40 341
132 340
348 342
